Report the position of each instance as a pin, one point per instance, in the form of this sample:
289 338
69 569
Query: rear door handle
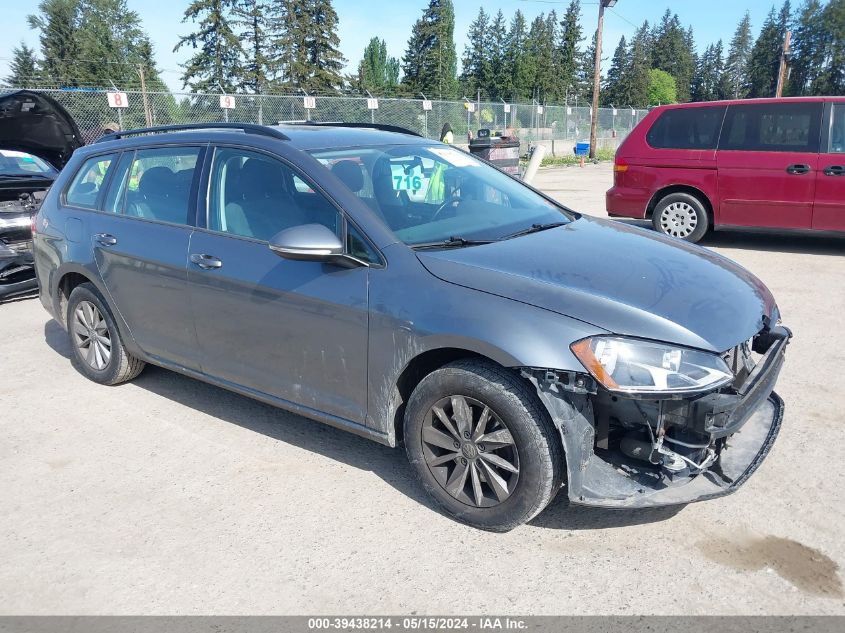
834 170
105 239
798 169
206 262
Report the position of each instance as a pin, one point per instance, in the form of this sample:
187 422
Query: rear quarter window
687 128
84 189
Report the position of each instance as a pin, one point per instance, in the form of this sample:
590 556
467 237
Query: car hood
619 278
36 123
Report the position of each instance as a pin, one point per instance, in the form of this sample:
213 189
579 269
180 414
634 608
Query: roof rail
249 128
370 126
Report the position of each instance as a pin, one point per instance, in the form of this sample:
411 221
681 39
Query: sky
392 20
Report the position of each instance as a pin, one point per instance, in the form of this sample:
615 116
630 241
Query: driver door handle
105 239
798 169
206 262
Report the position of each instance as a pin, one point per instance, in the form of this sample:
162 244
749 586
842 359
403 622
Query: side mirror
307 242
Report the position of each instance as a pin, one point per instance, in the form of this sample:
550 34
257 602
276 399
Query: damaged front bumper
634 453
17 268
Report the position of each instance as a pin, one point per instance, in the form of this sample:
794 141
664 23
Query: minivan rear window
772 127
687 128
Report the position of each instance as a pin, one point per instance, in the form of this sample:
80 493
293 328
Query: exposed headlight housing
634 366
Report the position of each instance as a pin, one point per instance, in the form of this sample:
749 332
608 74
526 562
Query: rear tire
681 215
483 445
96 349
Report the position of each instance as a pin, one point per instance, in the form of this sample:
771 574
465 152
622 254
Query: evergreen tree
377 71
216 63
517 61
735 76
614 91
635 79
586 69
540 44
252 17
430 62
673 52
112 44
808 48
58 21
289 35
325 61
23 68
570 37
832 78
499 85
706 81
764 62
476 61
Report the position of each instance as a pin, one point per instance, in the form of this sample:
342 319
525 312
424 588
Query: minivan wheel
482 445
97 351
681 215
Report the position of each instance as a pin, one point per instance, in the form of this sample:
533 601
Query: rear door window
156 185
84 189
687 128
772 127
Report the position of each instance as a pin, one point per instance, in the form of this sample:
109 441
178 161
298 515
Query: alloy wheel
91 335
678 219
470 451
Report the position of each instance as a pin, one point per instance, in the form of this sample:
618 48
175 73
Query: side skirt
306 412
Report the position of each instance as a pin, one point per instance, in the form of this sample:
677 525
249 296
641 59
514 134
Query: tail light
33 224
620 166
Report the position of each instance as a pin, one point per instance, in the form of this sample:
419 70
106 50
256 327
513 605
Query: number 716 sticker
404 183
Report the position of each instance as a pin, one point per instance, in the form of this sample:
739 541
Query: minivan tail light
33 224
619 165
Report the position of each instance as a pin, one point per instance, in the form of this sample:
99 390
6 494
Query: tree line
265 46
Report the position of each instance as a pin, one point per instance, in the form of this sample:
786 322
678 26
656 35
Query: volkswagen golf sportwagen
403 290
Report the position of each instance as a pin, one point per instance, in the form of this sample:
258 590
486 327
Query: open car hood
35 123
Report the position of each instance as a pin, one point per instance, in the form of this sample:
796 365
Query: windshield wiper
452 242
534 228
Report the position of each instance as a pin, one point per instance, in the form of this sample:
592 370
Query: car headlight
644 367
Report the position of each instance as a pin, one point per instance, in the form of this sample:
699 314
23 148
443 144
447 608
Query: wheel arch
71 276
421 366
678 188
66 280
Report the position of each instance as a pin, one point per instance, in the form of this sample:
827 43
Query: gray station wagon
408 292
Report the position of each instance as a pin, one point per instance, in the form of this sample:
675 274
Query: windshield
432 194
14 163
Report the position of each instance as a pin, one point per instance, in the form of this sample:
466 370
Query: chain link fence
554 125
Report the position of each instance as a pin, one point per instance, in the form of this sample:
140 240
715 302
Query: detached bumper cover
604 486
747 420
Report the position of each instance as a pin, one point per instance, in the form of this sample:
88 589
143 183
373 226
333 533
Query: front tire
483 445
681 215
96 349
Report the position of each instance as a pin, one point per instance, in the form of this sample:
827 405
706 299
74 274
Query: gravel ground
169 496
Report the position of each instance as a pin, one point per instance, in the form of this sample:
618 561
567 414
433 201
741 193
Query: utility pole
148 115
785 57
594 119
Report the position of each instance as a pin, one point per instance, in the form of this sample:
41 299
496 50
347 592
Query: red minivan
758 162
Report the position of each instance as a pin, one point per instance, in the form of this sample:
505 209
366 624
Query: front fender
439 315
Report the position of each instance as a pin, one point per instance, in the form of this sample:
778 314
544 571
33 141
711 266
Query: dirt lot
170 496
